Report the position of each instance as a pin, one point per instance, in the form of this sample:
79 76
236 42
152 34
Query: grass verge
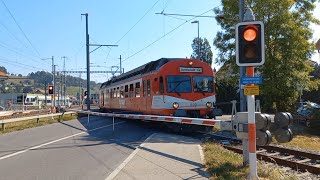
20 125
223 164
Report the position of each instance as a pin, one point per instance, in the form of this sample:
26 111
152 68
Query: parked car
306 112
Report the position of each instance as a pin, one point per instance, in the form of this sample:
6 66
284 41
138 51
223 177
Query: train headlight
209 104
175 105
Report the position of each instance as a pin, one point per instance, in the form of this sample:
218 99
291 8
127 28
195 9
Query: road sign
251 80
251 90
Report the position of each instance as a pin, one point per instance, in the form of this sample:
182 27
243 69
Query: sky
33 31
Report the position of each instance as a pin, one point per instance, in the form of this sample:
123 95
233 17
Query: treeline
42 77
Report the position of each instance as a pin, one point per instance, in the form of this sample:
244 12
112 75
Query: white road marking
201 153
67 137
126 161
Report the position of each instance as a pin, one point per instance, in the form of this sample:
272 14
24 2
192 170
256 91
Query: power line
20 64
137 22
165 35
17 52
24 34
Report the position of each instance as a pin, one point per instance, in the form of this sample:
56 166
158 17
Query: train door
102 99
144 94
148 97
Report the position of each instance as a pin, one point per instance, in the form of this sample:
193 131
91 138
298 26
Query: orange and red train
168 86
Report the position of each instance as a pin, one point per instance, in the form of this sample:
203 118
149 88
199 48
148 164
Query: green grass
20 125
223 164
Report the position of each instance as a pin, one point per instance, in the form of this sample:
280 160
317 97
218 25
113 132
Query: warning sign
251 90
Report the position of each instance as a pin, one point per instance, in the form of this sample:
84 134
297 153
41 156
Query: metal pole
88 62
252 131
64 79
113 122
120 65
242 69
198 42
45 93
54 84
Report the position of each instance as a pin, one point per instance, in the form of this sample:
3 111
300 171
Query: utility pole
88 62
120 65
45 93
64 79
88 59
54 86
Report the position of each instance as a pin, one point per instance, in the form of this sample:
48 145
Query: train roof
144 69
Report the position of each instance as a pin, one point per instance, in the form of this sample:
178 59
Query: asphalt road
69 150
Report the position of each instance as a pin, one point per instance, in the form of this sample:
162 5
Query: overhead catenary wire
137 21
24 34
165 35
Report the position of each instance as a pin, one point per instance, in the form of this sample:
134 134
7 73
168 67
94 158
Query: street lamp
198 38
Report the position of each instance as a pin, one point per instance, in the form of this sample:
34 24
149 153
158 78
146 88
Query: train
167 86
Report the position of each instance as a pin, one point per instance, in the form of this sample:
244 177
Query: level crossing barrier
172 119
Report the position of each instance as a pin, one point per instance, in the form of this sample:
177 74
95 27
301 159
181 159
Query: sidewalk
163 156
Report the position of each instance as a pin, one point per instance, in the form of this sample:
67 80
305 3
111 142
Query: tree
205 50
288 48
3 69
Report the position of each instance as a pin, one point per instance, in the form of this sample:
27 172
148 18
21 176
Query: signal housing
250 43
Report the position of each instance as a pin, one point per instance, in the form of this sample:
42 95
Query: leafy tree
288 48
3 69
205 50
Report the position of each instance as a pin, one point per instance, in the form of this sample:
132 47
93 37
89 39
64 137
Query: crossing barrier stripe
182 120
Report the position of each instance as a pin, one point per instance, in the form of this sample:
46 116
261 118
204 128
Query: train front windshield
203 83
183 84
179 84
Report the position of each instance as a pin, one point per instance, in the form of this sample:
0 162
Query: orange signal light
250 34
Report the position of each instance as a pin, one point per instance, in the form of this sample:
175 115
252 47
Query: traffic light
250 43
51 89
280 127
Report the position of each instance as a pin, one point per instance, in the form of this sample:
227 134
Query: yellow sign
251 90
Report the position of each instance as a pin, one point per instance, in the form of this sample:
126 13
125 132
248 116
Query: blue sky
56 28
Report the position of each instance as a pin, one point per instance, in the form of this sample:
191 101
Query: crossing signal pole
250 53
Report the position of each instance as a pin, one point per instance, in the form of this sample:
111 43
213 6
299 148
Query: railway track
296 160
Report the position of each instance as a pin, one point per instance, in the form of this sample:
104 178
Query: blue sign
251 80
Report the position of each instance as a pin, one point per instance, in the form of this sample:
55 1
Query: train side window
161 84
114 93
138 89
131 90
107 93
118 92
144 88
148 87
121 92
126 91
111 94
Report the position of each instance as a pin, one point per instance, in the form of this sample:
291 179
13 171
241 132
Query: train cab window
138 89
148 87
202 83
144 88
121 92
179 84
126 91
161 84
131 90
